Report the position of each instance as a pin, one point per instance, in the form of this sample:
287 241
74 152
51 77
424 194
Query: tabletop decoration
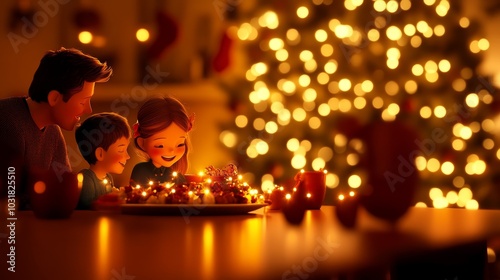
294 205
275 197
315 187
346 209
54 195
391 149
214 186
314 190
389 159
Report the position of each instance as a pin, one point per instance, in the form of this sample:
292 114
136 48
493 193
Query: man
30 127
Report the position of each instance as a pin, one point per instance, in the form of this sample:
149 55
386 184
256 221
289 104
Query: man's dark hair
66 70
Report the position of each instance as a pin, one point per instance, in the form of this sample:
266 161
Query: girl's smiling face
167 146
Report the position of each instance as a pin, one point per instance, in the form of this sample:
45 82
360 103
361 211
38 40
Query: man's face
67 114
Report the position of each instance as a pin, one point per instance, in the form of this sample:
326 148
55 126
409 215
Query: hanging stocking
168 32
221 60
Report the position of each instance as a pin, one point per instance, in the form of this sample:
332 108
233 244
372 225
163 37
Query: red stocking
221 59
168 32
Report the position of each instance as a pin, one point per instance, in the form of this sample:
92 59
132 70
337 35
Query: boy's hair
158 113
66 70
100 130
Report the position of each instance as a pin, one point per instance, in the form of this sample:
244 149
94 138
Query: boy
31 137
103 140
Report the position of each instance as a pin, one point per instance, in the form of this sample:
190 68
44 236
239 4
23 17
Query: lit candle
190 195
208 197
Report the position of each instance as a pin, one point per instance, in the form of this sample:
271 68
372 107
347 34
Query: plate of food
190 209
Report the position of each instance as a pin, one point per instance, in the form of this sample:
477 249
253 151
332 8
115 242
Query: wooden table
261 245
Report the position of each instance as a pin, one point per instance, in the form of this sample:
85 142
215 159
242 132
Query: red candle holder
346 209
276 197
315 187
194 178
54 195
294 205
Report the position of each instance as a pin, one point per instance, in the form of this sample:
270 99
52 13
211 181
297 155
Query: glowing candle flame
79 178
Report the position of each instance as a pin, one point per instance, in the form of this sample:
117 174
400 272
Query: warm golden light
142 35
435 193
354 181
269 19
228 138
39 187
393 33
207 249
447 167
332 180
276 44
302 12
343 31
293 36
85 37
321 35
327 50
417 70
103 246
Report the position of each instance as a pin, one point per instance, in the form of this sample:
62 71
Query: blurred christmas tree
320 70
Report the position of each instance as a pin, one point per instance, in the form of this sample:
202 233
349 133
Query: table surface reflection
260 245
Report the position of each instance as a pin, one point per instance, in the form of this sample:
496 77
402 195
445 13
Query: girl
161 135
